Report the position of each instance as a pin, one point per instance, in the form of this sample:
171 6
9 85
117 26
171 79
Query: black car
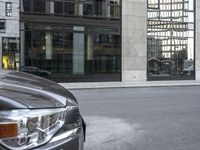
35 71
38 114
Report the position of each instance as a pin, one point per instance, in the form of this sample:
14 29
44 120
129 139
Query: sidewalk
97 85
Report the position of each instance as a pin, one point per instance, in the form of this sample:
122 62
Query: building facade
9 34
74 40
111 40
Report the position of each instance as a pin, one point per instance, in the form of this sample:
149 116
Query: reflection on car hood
22 90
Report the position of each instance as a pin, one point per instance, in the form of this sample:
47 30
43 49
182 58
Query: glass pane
72 53
69 8
87 9
39 6
170 39
26 6
114 11
58 7
107 53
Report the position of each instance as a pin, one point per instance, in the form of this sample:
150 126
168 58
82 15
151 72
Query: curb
109 85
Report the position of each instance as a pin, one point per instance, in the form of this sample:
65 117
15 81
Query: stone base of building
134 76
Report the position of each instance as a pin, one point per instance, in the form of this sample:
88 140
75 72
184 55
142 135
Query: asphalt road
166 118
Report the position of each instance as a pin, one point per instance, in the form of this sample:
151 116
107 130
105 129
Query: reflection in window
39 6
58 7
59 50
57 41
68 43
107 53
87 9
114 8
38 41
98 4
69 8
26 6
170 39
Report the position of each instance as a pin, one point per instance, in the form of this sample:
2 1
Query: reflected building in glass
171 31
73 39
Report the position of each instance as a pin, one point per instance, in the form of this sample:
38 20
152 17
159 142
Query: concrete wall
134 40
197 53
12 23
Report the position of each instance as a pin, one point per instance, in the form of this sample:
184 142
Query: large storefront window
170 39
94 8
10 53
73 53
107 53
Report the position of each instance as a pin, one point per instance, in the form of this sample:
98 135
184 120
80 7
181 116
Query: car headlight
26 129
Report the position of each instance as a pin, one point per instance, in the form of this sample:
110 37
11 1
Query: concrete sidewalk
97 85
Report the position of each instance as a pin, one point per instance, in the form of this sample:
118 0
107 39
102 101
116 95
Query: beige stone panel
134 63
133 9
134 50
134 36
134 22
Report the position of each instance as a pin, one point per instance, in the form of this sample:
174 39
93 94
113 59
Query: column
134 40
78 51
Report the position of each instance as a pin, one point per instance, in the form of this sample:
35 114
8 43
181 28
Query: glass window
107 53
69 8
26 6
114 11
38 41
154 3
2 25
58 7
68 43
57 41
72 53
98 7
39 6
116 2
170 39
8 9
87 9
114 8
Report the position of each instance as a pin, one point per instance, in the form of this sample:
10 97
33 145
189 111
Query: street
159 118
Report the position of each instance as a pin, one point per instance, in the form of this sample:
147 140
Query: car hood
20 90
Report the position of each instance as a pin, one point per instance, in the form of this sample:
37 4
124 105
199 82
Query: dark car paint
35 71
22 90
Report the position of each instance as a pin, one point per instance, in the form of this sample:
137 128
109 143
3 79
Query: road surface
166 118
